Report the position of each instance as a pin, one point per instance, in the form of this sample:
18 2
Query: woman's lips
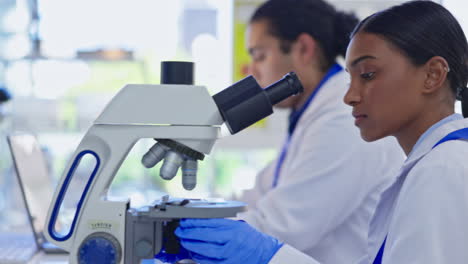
359 118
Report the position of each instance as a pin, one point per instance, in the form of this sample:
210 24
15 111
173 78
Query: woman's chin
370 137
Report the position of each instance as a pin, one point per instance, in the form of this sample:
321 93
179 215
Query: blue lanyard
296 115
458 134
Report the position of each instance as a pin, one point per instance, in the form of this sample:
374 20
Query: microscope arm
108 145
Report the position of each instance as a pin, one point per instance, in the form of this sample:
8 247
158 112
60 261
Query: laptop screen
33 176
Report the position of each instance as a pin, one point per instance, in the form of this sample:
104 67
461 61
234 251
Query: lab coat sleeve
262 186
288 254
323 180
431 216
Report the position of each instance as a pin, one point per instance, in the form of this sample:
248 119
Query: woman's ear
436 69
305 48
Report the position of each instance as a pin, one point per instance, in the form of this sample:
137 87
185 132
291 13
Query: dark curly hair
288 19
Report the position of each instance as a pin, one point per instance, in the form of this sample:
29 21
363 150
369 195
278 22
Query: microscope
185 121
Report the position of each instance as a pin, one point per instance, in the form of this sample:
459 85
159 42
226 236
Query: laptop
36 185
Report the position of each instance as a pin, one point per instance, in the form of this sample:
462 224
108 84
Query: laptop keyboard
16 249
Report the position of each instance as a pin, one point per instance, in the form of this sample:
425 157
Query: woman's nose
253 70
352 96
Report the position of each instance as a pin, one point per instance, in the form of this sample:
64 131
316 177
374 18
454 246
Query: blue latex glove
224 241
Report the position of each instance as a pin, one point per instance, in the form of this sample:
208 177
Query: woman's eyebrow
356 61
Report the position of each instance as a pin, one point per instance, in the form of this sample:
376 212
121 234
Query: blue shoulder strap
378 258
455 135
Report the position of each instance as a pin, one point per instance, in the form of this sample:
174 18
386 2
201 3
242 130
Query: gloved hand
224 241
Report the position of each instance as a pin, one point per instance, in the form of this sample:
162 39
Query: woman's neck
310 84
409 135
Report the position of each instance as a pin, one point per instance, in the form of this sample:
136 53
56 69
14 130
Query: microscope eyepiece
282 89
177 72
245 102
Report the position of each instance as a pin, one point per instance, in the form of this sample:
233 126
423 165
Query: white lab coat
329 183
424 212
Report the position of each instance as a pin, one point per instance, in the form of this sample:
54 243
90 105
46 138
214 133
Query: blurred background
61 61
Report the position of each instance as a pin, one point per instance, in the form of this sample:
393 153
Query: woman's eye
367 75
258 57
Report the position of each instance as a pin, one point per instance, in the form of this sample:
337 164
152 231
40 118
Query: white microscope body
129 117
186 114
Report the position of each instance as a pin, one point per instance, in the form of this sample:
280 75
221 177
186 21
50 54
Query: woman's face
384 88
269 63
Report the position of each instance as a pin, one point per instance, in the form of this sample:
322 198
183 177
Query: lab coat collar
428 143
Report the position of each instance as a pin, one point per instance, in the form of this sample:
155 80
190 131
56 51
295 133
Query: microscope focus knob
100 247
